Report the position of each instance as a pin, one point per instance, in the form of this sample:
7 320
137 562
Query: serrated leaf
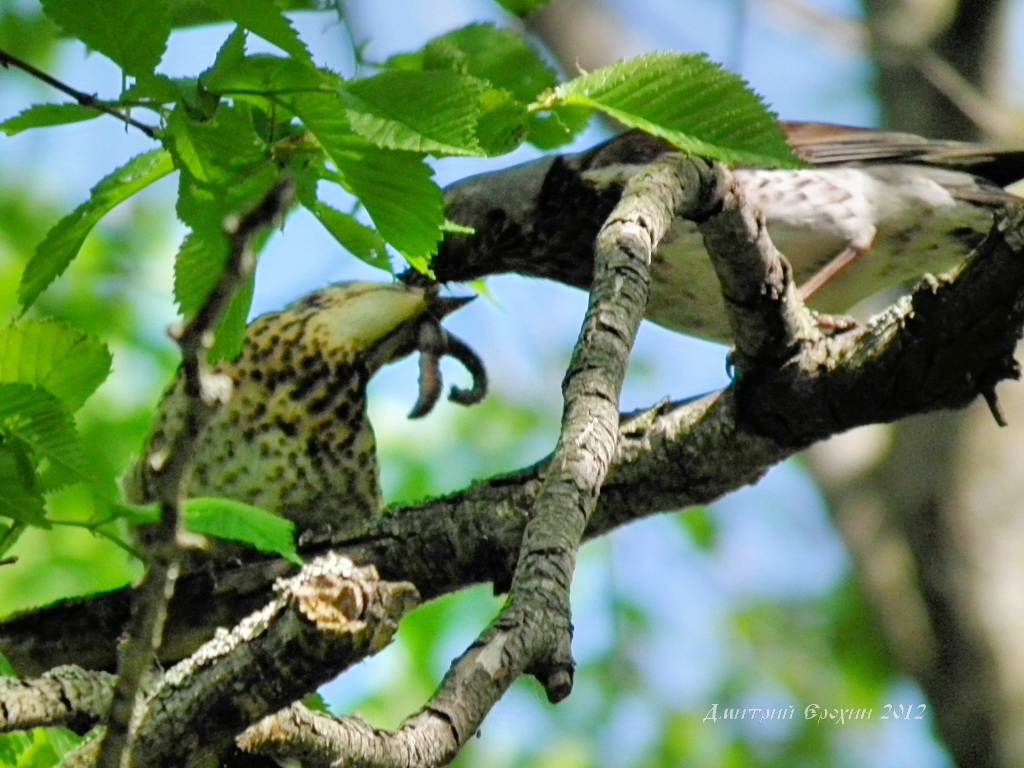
63 241
396 188
498 56
503 122
687 100
44 115
263 18
37 419
66 362
264 72
132 33
431 112
401 197
215 151
22 499
361 241
233 520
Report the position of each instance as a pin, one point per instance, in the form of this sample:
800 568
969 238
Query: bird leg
433 343
833 268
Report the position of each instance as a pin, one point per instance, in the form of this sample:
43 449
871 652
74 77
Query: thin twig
85 99
170 476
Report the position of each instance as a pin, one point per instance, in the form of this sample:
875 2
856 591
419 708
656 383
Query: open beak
442 306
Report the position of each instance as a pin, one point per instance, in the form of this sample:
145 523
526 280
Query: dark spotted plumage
293 437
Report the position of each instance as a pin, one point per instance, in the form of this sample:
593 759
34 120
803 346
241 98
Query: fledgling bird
293 436
875 209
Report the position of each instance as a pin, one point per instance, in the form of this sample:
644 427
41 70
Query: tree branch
66 696
168 476
86 100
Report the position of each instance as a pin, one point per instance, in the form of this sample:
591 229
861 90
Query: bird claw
433 343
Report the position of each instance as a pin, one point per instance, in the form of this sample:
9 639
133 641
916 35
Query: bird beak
442 306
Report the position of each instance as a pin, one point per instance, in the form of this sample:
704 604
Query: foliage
234 128
226 134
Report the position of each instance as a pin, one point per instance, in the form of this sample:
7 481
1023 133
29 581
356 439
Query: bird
293 436
872 210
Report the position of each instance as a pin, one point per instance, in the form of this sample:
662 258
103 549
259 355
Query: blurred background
882 568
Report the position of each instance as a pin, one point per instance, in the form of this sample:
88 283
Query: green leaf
503 122
498 56
433 112
522 7
36 419
396 188
217 150
44 115
22 499
685 99
514 72
67 363
264 18
158 89
264 72
317 703
558 128
37 748
702 527
61 244
401 198
233 520
361 241
226 170
133 33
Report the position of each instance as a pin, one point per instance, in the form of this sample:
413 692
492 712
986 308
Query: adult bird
872 210
293 436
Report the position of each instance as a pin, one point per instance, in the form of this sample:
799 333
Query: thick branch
329 616
69 696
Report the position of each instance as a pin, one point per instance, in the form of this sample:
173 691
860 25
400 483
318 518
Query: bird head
379 323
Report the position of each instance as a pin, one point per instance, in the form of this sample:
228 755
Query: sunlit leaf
434 112
63 241
233 520
37 419
358 239
401 198
685 99
66 362
264 18
132 33
44 115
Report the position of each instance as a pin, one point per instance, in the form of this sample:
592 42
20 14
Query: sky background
775 540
